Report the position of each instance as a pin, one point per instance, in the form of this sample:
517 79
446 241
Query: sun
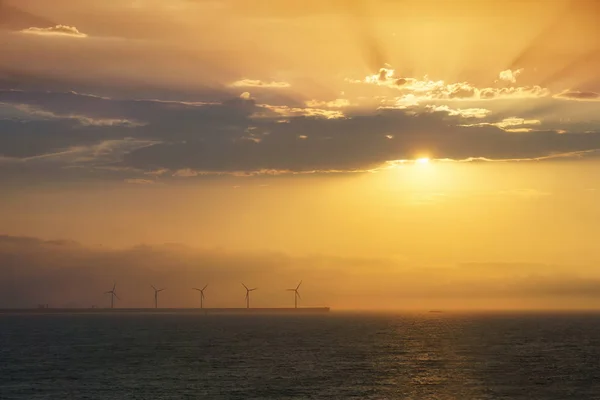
423 160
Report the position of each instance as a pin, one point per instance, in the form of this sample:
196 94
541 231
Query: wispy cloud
577 95
82 119
460 112
138 181
287 111
512 124
58 30
257 83
337 103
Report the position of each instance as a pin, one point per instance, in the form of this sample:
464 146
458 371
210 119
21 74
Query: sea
458 356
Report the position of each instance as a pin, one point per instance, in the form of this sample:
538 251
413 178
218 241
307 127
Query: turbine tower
156 292
296 294
113 294
201 295
248 295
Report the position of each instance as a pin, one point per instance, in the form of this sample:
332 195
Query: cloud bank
239 135
67 274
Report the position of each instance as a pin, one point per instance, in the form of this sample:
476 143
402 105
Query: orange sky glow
392 154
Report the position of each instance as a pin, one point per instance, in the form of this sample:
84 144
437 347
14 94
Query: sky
391 154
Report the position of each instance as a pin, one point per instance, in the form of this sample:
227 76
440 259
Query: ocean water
336 356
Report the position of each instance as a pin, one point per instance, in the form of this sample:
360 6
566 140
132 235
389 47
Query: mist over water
337 356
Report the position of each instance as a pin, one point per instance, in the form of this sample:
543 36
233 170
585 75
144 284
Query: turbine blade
245 286
110 291
298 287
197 289
114 294
205 286
290 290
298 294
114 286
153 287
202 294
253 289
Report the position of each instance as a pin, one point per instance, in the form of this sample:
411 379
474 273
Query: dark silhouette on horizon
156 292
201 295
296 294
113 294
248 295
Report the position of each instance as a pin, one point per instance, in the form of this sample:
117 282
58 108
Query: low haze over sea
336 356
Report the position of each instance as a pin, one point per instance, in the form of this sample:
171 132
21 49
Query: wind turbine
201 295
296 294
156 292
248 295
113 294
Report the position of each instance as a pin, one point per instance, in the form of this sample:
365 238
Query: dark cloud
23 139
72 103
51 81
239 135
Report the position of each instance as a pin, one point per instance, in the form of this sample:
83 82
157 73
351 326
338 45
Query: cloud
58 30
514 121
337 103
523 92
287 111
416 91
83 120
510 75
185 173
384 75
51 137
256 83
242 137
577 95
140 181
461 112
513 124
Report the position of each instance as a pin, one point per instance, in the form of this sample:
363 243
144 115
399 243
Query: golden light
422 160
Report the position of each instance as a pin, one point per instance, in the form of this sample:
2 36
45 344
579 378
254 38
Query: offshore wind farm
151 310
113 306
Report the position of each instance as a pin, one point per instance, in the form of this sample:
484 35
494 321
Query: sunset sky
393 154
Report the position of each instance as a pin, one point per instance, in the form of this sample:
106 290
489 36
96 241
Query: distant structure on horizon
113 294
296 294
201 295
156 292
248 295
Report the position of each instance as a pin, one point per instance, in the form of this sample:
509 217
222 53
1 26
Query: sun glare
423 160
